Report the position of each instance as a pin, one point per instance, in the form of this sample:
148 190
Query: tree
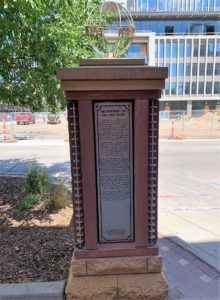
36 38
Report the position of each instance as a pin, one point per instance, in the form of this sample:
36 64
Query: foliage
28 201
58 197
38 186
36 38
36 181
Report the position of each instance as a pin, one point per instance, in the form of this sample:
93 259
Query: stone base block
116 265
121 278
117 287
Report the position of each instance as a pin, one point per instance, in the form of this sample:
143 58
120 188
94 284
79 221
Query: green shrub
28 201
36 181
58 197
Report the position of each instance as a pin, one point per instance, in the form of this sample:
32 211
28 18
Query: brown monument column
113 113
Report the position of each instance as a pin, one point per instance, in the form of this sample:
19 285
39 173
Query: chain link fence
179 125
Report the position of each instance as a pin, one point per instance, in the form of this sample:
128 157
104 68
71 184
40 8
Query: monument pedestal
121 278
113 116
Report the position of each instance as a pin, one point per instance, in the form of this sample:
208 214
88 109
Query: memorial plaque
114 164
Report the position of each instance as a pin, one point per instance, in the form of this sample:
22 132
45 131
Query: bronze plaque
114 167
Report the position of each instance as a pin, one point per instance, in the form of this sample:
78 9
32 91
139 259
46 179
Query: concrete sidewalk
188 277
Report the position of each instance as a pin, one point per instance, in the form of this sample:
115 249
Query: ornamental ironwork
111 29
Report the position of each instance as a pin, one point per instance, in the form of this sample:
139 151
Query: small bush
58 197
36 181
28 201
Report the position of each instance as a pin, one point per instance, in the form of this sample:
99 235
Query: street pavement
189 205
53 155
189 196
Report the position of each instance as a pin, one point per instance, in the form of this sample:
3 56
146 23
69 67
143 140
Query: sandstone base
101 279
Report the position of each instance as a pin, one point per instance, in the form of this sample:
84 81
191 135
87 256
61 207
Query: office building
183 35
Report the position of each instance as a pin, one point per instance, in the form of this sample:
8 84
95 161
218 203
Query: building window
194 70
201 69
167 87
217 88
192 3
188 49
168 49
169 5
169 30
196 49
201 88
181 69
173 88
210 48
181 49
168 66
188 69
156 49
161 5
180 88
196 28
208 87
211 5
175 5
203 48
174 49
161 49
174 70
218 48
193 90
205 5
209 29
151 5
187 88
198 5
217 69
209 69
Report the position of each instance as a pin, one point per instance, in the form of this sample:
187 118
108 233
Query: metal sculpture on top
111 29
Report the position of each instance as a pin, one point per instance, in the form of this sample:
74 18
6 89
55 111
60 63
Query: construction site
173 125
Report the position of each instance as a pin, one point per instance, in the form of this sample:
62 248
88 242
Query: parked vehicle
3 117
53 119
25 118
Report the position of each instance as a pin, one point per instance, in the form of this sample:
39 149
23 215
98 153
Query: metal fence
179 125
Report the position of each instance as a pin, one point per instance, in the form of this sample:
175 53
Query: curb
33 291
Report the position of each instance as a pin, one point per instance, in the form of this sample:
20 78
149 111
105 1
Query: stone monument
113 111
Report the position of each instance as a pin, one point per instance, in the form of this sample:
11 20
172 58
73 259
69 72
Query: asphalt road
189 196
189 187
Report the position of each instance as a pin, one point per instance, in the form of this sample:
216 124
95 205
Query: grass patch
28 201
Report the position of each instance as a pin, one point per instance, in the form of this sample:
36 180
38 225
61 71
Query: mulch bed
35 244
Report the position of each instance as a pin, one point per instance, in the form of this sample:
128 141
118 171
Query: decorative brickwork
152 171
73 120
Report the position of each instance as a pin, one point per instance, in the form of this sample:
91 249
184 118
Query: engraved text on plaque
114 157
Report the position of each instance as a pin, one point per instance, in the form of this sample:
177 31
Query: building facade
183 35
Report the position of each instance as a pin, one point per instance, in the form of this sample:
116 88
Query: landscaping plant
58 197
38 186
28 201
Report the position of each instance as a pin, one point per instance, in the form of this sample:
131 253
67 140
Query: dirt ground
35 245
204 126
41 130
